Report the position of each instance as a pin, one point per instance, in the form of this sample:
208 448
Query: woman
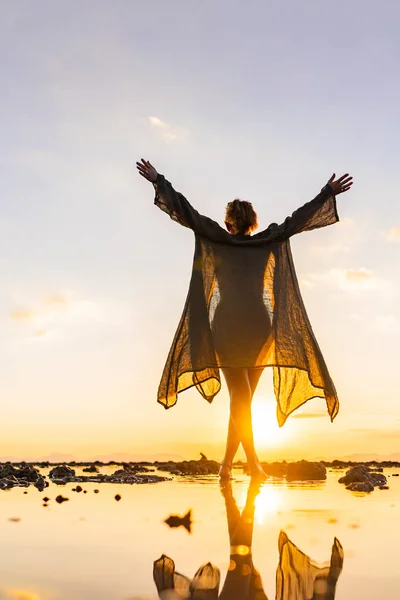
244 312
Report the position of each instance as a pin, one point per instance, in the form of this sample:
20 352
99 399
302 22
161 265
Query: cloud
358 274
393 234
308 415
330 249
360 279
22 314
56 300
16 594
39 333
168 132
348 280
373 432
49 305
345 222
54 311
156 122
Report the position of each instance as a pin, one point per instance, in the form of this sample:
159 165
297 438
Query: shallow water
93 547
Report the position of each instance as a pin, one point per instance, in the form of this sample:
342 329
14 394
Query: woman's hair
241 216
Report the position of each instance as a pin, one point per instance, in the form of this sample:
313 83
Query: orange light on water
268 503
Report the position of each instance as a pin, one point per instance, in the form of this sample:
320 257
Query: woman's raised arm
319 212
175 204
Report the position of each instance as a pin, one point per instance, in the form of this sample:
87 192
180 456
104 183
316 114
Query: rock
23 473
191 467
60 499
360 486
361 474
46 499
117 497
275 469
91 469
6 484
395 475
78 489
40 484
378 478
383 487
305 471
122 473
62 472
96 491
356 474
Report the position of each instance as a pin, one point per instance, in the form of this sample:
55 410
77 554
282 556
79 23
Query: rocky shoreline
361 476
27 474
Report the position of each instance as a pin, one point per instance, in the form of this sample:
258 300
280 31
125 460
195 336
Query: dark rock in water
203 456
395 475
62 473
40 484
45 505
177 521
361 474
96 491
117 497
383 487
60 499
84 491
191 467
378 478
305 471
123 473
78 489
46 499
21 474
360 486
91 469
275 469
25 492
6 484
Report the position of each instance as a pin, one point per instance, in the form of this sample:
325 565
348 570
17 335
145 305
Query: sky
261 100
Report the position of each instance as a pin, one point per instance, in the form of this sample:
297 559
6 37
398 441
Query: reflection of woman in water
297 577
244 312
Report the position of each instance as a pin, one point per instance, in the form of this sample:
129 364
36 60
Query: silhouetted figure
244 312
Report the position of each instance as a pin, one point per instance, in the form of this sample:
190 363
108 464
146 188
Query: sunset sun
265 426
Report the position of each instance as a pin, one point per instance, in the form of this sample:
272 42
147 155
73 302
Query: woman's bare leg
242 384
233 440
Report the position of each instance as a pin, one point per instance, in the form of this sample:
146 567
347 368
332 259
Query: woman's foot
257 473
225 471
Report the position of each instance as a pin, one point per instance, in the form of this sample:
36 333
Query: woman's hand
147 170
341 185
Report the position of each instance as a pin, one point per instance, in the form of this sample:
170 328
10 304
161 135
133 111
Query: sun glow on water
267 503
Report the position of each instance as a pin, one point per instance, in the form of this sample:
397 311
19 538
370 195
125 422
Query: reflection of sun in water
265 425
267 503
